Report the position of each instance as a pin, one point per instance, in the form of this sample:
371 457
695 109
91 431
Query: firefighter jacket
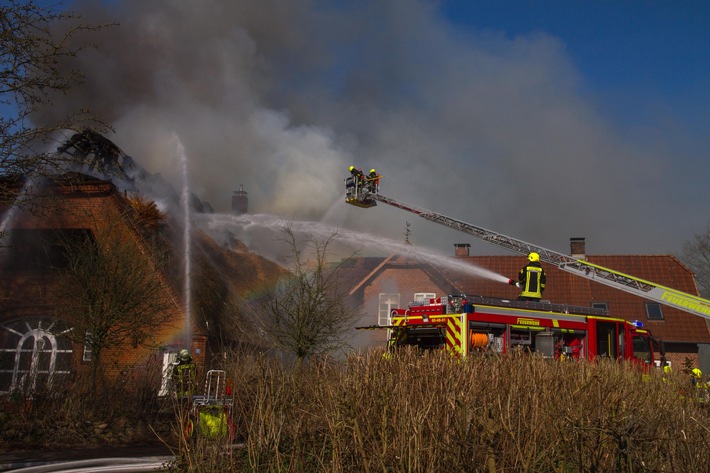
184 380
532 279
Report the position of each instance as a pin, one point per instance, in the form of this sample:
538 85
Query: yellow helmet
351 168
372 171
534 257
696 373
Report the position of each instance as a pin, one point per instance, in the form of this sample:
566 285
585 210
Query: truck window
606 339
642 349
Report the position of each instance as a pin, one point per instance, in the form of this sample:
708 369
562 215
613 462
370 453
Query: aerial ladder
363 195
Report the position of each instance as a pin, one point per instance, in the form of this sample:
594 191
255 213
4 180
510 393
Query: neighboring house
32 349
380 282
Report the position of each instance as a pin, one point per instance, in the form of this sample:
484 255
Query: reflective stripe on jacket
184 379
532 278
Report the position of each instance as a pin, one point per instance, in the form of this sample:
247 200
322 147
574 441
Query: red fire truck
467 324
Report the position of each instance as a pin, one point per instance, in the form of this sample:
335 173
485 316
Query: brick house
392 280
381 284
32 350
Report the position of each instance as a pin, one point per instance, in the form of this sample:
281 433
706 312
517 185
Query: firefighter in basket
353 184
531 279
357 175
373 181
184 375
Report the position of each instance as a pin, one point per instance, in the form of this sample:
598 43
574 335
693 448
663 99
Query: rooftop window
653 311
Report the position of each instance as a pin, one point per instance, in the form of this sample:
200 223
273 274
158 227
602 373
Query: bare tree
307 313
111 293
34 41
696 254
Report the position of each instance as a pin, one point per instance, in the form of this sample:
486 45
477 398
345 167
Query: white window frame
424 296
42 348
169 361
385 303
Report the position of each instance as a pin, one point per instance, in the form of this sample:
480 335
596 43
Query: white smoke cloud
283 95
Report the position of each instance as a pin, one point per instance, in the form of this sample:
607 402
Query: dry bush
412 412
122 411
431 412
148 218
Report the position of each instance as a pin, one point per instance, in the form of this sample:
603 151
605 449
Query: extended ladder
639 287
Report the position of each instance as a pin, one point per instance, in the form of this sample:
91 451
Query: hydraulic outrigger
360 195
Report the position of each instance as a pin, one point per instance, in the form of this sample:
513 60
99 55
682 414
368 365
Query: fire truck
464 324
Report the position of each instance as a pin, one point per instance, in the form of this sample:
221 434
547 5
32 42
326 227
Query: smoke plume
283 95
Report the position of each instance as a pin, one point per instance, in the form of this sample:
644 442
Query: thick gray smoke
283 95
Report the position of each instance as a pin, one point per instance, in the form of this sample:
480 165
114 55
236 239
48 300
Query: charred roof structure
97 155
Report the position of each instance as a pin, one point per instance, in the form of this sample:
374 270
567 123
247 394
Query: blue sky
661 45
542 120
624 50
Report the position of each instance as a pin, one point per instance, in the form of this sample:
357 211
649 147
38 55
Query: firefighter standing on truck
531 279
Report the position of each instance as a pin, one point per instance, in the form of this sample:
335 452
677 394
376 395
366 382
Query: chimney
461 249
240 201
577 249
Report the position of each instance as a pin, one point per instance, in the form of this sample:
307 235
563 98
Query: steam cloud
283 95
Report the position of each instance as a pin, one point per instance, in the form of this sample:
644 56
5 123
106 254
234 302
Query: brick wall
26 294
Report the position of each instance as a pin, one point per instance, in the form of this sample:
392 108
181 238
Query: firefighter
356 174
350 182
356 179
667 372
531 279
696 380
374 180
696 375
184 375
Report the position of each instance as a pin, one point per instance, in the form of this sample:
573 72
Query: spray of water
336 213
216 223
24 195
187 229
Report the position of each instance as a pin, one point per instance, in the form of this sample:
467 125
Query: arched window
33 354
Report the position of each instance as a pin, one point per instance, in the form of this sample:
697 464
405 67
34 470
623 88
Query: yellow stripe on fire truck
454 334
